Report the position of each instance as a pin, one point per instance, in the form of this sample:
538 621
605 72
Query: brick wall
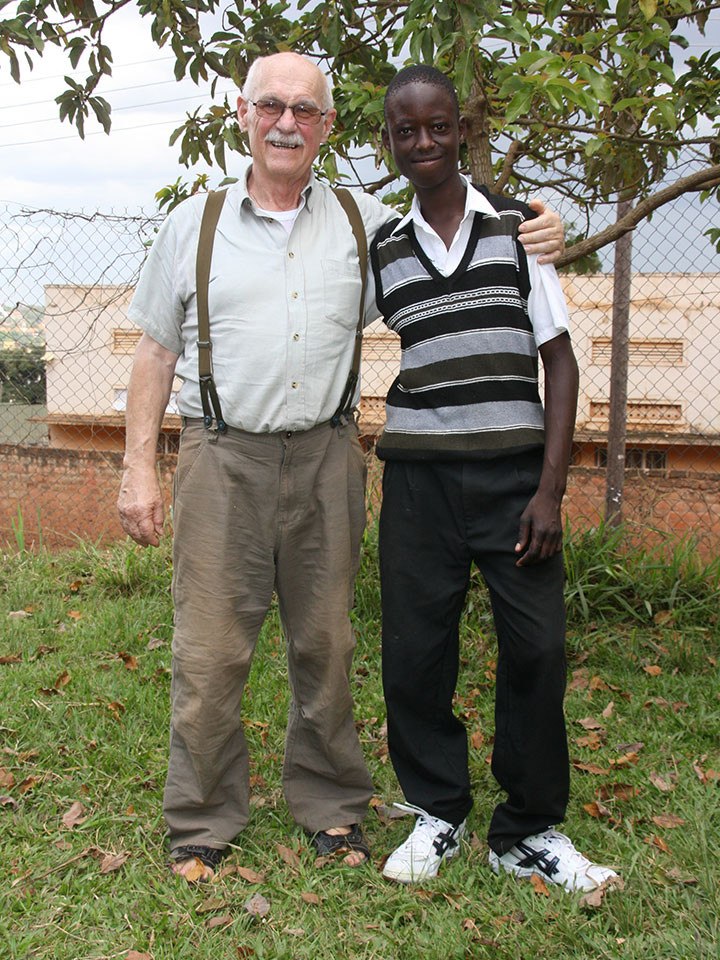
74 493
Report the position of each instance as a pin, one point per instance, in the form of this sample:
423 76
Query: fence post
617 425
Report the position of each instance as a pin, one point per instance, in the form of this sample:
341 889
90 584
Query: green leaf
464 73
648 8
520 104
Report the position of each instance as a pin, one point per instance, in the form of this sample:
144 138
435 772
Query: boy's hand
540 530
545 234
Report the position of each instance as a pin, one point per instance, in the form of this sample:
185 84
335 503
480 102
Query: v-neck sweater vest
468 382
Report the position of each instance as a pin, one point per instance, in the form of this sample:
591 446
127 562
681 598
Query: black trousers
436 519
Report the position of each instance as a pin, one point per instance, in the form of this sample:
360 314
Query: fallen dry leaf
250 875
311 898
62 681
210 905
221 921
113 861
8 801
626 760
668 820
654 670
592 741
116 708
663 616
634 747
477 739
154 642
6 778
128 660
195 872
136 955
590 768
597 683
10 658
75 614
289 856
74 816
539 885
579 679
18 615
257 906
622 791
592 899
244 952
674 873
659 843
29 783
662 783
598 810
608 711
589 723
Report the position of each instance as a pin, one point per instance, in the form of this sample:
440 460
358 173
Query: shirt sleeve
156 306
374 213
546 303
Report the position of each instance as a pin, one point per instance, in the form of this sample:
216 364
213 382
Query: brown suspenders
208 393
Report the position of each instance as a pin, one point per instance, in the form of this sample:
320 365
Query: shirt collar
243 193
475 202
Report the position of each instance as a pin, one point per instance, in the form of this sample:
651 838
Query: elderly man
271 495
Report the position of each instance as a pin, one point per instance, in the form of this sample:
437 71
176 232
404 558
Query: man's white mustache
285 139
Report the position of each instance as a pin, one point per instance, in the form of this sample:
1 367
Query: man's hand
140 506
544 235
540 530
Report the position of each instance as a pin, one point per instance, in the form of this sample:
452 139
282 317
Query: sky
45 164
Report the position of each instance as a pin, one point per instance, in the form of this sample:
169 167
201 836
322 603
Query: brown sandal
329 844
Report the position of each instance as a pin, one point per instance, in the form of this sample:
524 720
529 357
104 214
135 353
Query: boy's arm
540 530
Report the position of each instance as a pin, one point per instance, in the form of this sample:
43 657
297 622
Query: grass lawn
84 680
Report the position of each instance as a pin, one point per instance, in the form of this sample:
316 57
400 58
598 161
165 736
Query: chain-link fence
66 348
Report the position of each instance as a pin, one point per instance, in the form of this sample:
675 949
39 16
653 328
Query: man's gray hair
250 87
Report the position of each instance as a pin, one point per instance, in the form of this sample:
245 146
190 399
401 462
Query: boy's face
424 134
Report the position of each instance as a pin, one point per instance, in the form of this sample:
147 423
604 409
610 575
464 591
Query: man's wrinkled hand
140 507
539 531
545 234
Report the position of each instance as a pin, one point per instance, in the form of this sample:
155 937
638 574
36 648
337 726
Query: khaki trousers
253 513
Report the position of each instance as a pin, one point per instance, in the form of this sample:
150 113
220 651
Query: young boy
475 470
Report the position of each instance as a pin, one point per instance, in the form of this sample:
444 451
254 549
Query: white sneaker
552 856
432 841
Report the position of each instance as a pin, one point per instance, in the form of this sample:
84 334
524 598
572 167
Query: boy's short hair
420 73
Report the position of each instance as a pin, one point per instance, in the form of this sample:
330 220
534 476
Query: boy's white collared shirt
546 303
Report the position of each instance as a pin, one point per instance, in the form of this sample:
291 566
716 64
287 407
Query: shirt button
288 434
296 336
294 384
291 255
294 295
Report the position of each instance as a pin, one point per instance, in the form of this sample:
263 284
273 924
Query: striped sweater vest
468 382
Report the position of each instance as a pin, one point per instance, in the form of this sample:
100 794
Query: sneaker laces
568 852
426 827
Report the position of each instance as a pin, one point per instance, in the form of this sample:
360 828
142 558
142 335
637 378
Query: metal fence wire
66 348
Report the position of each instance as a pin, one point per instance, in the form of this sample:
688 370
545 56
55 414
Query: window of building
647 459
658 352
125 341
641 411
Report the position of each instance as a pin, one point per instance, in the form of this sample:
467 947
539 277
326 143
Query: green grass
101 739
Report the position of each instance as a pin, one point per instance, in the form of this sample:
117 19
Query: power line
133 106
137 86
93 133
59 76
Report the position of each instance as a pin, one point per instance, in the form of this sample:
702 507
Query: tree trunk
477 138
617 426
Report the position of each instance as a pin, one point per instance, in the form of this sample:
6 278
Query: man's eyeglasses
274 109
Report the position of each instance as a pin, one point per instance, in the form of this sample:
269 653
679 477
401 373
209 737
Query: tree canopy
598 99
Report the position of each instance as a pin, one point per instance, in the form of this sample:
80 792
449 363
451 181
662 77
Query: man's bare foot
192 869
355 857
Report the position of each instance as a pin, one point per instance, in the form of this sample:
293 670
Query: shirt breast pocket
342 289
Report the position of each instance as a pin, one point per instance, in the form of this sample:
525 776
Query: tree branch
695 181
